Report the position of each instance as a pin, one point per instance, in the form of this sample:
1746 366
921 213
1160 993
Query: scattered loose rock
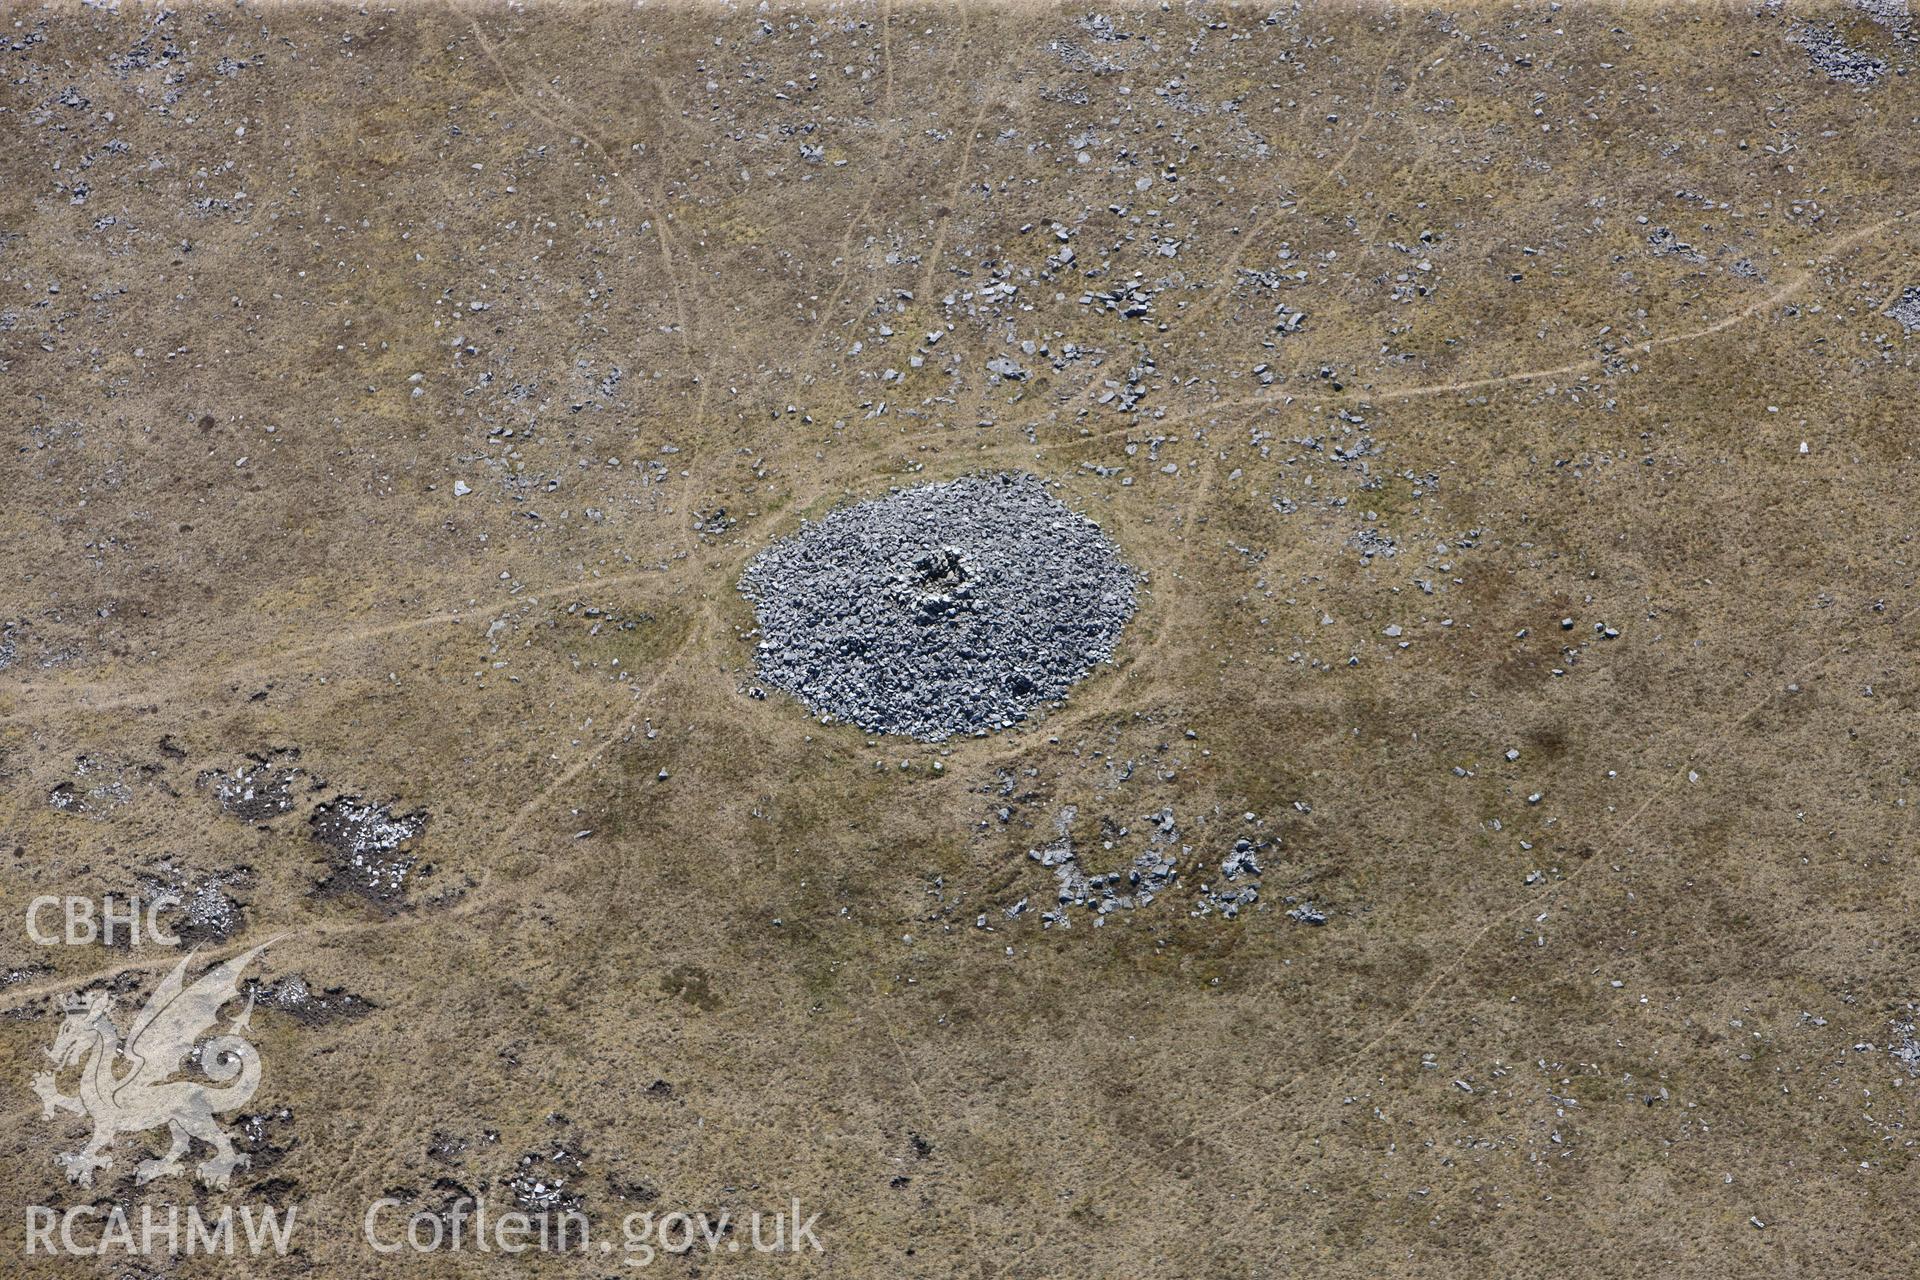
258 790
207 911
368 842
294 996
1153 871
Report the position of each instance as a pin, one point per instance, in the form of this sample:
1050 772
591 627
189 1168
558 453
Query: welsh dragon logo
124 1088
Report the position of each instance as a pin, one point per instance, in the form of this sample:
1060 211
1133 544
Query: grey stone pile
1831 53
1905 1041
1894 15
939 610
1907 310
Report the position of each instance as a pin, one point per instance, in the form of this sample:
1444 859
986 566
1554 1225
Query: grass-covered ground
1502 405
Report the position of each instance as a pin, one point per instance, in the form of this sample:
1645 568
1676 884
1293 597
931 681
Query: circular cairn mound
943 609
